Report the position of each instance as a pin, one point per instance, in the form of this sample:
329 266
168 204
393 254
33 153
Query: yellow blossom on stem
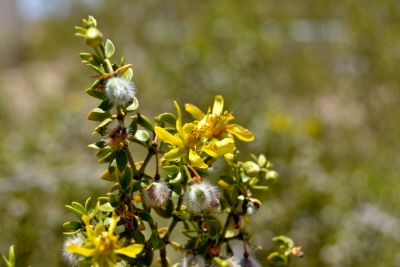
186 141
191 141
217 122
102 246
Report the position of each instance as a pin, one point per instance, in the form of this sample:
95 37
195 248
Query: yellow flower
102 246
217 122
191 141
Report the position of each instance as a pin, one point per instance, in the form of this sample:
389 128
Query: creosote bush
122 228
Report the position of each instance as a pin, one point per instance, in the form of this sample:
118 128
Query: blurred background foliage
317 82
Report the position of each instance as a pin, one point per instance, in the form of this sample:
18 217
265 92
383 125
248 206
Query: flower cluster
173 181
101 246
211 134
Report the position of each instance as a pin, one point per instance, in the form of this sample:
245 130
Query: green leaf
125 179
145 216
138 236
167 211
176 188
95 90
5 261
172 169
147 259
97 114
105 105
11 256
72 226
121 61
78 206
86 56
107 158
110 175
128 74
177 179
138 186
122 160
96 69
133 125
145 122
75 211
168 118
87 203
102 152
98 145
102 125
134 105
214 229
109 48
156 242
142 135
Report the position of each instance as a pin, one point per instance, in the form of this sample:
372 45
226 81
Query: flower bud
93 37
201 196
119 90
251 168
157 194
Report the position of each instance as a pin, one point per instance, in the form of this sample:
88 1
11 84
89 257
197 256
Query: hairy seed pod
157 194
120 91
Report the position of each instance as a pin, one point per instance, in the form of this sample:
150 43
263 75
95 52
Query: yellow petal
225 146
167 137
196 161
229 158
218 105
218 148
174 154
179 121
98 229
130 251
113 224
194 111
86 252
240 132
89 228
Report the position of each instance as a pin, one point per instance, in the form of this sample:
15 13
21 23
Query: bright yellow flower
102 246
191 140
217 122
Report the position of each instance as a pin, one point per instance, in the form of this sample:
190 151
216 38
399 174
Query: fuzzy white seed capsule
251 209
201 196
71 258
193 261
157 194
119 90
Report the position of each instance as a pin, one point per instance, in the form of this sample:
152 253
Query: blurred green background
317 82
